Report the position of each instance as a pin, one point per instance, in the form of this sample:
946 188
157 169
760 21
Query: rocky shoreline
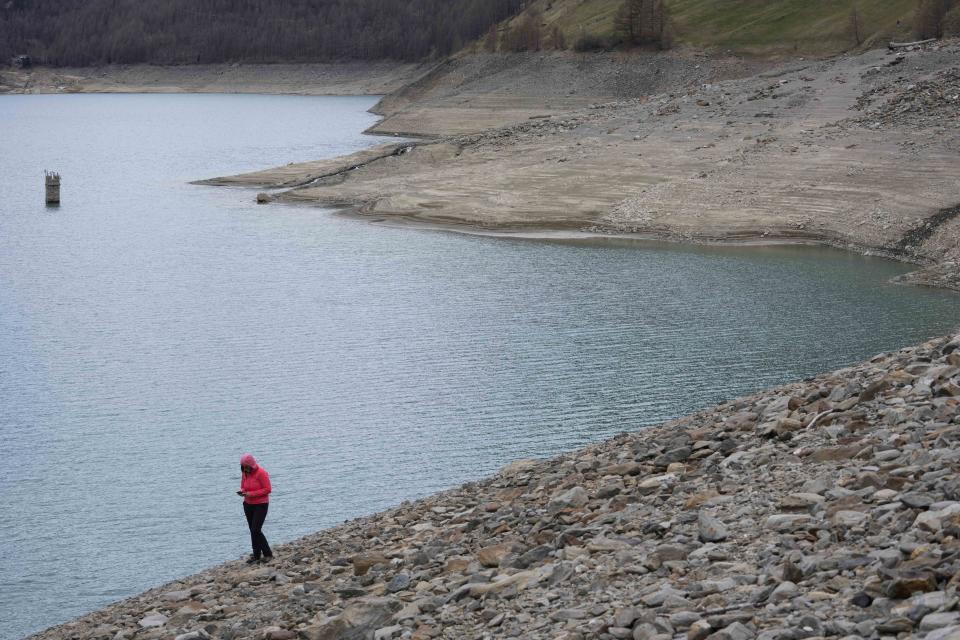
824 508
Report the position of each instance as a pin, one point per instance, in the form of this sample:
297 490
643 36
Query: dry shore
824 508
477 92
858 152
347 78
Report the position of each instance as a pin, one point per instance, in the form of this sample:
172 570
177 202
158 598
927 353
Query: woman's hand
242 493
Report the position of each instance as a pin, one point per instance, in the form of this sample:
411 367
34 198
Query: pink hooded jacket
256 484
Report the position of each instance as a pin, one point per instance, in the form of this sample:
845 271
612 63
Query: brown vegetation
526 35
856 25
642 22
929 18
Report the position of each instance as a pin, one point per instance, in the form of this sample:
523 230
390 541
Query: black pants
256 514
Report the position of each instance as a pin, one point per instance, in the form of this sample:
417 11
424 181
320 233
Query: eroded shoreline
856 152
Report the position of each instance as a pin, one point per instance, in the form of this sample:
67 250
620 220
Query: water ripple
151 331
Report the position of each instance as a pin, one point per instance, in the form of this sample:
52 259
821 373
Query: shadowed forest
89 32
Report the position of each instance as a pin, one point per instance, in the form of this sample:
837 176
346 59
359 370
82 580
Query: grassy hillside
747 26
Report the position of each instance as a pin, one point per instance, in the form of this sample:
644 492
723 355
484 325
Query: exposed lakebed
151 331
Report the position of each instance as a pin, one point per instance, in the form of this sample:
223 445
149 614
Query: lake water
152 331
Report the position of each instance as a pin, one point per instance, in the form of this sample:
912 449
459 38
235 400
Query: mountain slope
746 26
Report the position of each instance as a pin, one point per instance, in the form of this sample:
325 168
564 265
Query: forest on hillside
89 32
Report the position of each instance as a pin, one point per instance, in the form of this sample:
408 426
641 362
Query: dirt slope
471 93
859 152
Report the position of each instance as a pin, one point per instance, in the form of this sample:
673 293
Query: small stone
786 522
801 501
946 633
916 500
574 498
653 483
625 617
849 519
492 556
884 495
362 562
711 529
645 631
569 614
683 619
895 626
933 621
735 631
668 552
175 596
928 521
699 630
784 591
835 454
906 586
359 620
624 469
400 582
657 598
153 620
862 599
388 633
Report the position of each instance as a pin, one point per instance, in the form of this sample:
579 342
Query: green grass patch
749 26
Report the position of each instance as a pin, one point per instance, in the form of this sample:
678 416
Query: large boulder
357 622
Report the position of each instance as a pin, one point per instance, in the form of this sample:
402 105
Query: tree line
931 17
91 32
637 22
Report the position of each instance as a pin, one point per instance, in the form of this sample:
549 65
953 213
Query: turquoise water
151 331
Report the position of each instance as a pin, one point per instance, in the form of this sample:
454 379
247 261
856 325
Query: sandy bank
857 152
824 508
348 78
474 92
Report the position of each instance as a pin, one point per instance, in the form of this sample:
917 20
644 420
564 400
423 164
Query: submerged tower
52 182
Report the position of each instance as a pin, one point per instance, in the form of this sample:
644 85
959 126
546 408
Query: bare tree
855 26
490 42
928 18
628 21
525 35
557 40
642 22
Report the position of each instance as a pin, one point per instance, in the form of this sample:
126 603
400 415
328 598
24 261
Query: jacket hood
249 461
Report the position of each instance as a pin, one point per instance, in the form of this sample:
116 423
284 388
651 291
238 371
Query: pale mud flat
346 78
474 92
860 152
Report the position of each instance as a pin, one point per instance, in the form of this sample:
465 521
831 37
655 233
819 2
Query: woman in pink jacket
255 489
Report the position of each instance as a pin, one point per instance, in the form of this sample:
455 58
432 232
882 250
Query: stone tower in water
52 182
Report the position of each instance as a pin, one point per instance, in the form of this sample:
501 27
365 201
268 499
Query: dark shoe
253 559
267 559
